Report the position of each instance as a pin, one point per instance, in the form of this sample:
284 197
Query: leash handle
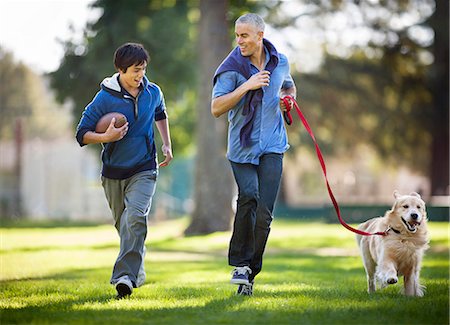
287 113
322 163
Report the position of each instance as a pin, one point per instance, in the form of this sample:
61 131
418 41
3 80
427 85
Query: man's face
248 38
132 78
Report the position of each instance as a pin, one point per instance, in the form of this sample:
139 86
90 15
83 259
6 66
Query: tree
25 96
213 187
213 179
438 83
397 91
367 103
14 101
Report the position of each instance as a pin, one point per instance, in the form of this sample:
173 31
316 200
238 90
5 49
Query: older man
248 86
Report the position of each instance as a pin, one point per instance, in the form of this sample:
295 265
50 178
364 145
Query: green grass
312 275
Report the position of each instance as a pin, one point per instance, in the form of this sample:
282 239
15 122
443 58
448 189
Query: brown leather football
105 120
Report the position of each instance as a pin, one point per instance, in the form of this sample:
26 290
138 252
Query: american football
105 120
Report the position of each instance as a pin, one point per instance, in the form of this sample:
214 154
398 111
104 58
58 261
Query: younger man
129 158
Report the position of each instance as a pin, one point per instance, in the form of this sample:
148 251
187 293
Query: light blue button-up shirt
268 133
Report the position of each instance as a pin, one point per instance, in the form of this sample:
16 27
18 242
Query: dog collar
394 230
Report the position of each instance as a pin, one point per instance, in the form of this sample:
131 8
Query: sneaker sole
239 281
244 293
123 290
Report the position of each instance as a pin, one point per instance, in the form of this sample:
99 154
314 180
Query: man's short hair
252 19
129 54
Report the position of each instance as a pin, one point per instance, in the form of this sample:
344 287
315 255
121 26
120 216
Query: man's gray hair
252 19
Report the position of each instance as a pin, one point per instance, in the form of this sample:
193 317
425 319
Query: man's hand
167 152
258 80
283 107
113 134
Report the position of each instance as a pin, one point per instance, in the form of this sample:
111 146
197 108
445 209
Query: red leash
288 118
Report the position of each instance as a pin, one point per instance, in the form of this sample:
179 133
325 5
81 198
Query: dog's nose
414 216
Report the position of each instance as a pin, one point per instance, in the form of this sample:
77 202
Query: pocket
152 174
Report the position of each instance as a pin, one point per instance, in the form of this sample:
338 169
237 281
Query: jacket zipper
135 102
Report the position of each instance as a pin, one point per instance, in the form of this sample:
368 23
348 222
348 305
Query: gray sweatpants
130 201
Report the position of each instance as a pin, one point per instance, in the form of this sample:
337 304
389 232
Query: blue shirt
268 133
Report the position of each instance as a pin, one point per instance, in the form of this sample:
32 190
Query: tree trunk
213 179
439 86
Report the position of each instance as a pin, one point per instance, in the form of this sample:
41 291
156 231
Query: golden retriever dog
400 251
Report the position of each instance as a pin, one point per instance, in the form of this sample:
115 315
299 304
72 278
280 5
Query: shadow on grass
287 293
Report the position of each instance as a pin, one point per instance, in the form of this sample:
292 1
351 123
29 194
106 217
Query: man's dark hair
129 54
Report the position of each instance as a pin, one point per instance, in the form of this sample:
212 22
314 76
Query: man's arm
112 134
224 103
163 128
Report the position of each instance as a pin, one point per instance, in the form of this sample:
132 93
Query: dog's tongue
414 223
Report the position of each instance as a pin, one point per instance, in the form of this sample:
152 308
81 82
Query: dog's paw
392 280
386 279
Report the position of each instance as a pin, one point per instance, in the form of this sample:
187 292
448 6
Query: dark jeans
258 188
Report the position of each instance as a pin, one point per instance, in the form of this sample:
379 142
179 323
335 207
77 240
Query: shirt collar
266 52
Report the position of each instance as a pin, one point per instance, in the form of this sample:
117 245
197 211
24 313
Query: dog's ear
396 194
394 206
415 194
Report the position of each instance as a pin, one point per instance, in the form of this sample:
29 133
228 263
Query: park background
372 79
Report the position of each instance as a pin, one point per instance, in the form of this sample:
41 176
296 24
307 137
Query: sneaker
240 275
245 289
124 287
140 280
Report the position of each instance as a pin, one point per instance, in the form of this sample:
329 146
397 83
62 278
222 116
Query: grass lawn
312 275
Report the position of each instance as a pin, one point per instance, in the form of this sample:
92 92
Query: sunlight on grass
36 239
141 304
49 262
165 256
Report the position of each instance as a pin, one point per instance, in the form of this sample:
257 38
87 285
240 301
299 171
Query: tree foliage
168 31
378 83
365 106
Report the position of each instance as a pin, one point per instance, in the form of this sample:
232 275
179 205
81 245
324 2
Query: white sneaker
140 280
240 275
124 287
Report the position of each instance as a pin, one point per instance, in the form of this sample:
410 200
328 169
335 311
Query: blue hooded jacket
136 152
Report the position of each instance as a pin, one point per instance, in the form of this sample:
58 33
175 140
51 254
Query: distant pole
18 144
